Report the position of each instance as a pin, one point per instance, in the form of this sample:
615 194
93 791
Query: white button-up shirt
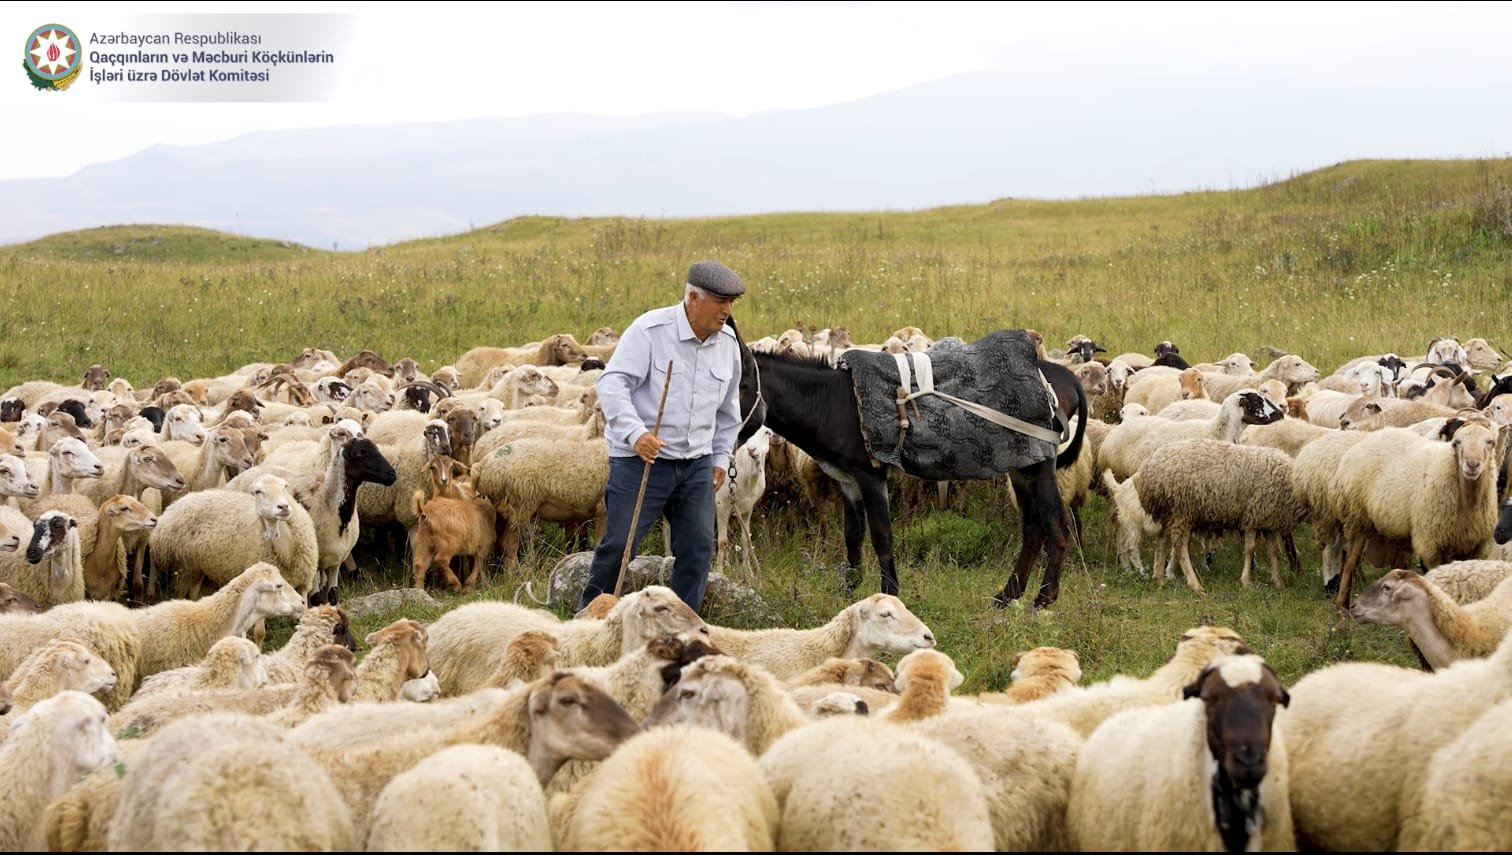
702 415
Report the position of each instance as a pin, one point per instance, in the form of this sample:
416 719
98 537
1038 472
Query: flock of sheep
213 504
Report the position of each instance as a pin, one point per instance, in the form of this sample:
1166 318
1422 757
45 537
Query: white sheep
466 798
51 569
1038 673
1442 630
228 781
1134 523
176 633
1464 793
1084 708
1315 486
1360 737
397 655
682 788
1469 581
317 627
1436 496
233 662
925 679
877 624
557 480
353 724
62 665
108 629
551 721
836 785
738 496
213 535
1212 487
50 748
1205 774
1025 765
468 642
1130 443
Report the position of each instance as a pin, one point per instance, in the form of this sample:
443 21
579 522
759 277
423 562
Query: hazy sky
516 59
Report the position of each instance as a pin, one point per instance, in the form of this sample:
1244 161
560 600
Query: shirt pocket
712 382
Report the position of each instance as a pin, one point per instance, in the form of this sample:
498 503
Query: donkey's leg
855 530
1029 549
879 520
1054 521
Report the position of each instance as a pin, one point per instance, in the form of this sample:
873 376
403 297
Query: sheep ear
370 636
1013 663
1194 688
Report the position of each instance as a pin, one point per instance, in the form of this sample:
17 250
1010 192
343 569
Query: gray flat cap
715 278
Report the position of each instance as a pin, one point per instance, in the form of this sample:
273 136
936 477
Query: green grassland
1362 257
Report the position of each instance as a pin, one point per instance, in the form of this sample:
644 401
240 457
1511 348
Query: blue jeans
683 491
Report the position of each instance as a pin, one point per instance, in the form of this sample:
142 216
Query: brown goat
451 527
449 478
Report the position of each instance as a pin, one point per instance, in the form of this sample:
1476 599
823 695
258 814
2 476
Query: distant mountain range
965 139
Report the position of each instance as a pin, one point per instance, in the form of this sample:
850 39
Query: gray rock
726 601
387 600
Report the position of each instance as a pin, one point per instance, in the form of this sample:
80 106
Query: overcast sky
516 59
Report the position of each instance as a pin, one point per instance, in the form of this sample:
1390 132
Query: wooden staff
640 497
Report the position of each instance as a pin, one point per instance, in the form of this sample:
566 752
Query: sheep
1369 414
1156 391
1362 726
176 633
638 679
836 786
54 570
1132 441
1431 494
1442 630
1469 581
132 471
108 629
877 624
228 781
468 642
398 653
14 602
925 680
1205 485
105 566
231 663
1315 487
555 480
555 719
868 673
317 627
349 725
738 495
1464 790
527 657
330 680
1290 369
50 748
65 462
679 789
466 798
1206 774
1133 521
1025 765
408 455
61 665
16 480
1038 673
215 534
741 700
446 528
1084 708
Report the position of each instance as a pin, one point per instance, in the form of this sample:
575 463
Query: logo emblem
54 57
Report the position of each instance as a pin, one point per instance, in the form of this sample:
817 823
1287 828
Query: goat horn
441 391
525 586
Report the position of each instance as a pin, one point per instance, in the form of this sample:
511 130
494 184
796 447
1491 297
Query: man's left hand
719 478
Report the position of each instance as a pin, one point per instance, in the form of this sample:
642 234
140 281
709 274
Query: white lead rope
925 373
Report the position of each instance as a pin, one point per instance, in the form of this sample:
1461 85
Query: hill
154 243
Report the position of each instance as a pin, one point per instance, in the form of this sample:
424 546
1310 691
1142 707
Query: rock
726 601
387 600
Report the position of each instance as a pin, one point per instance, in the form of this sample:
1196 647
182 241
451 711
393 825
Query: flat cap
715 278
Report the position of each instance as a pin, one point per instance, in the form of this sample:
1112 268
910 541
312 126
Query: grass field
1363 257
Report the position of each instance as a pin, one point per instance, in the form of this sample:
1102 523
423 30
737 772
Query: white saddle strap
925 371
